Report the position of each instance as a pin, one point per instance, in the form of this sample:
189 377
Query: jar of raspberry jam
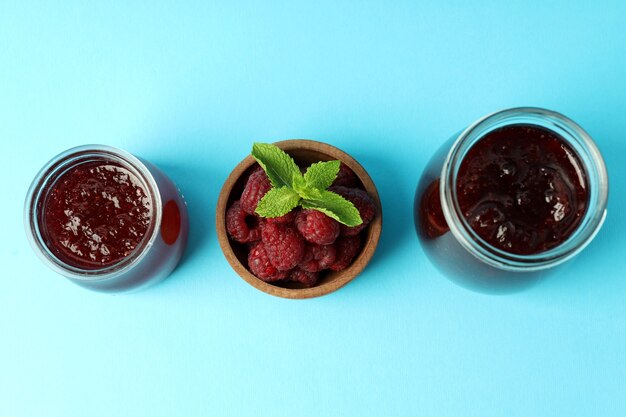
106 219
510 197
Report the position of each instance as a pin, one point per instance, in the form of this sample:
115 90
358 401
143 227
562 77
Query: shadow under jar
106 220
504 201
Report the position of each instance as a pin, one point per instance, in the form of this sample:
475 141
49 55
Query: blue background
189 86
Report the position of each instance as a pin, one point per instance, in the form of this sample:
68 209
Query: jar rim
51 171
591 160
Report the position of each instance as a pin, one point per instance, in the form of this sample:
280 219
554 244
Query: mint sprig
279 167
291 189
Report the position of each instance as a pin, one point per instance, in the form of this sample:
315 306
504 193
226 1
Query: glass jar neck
593 166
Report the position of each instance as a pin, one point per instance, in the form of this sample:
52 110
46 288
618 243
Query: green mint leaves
279 167
322 174
291 189
335 206
278 201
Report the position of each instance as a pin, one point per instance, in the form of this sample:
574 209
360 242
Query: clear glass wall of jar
160 248
458 251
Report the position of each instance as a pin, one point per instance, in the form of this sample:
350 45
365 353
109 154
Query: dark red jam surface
522 189
95 214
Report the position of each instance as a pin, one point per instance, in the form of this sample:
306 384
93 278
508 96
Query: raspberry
363 202
318 257
316 227
257 185
241 226
308 279
284 219
347 249
346 177
283 245
260 265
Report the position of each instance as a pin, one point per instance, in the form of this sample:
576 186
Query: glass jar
457 250
166 223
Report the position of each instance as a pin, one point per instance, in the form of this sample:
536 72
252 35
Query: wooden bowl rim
343 277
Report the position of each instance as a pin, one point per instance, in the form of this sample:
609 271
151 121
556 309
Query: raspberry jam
105 219
522 189
96 214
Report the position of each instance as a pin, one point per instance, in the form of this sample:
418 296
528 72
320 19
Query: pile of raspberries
300 245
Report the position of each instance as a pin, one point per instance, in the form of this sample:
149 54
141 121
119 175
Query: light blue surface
190 87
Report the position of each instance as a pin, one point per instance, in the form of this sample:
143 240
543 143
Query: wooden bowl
304 152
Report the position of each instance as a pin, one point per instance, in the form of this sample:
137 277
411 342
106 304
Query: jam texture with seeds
522 189
96 214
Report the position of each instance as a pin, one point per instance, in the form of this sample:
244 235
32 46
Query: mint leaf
279 167
310 193
322 174
335 206
290 188
299 185
277 202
